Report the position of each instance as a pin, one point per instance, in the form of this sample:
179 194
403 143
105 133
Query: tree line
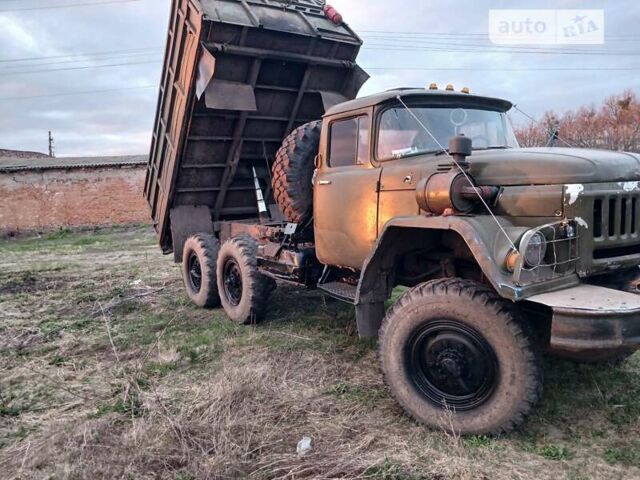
614 125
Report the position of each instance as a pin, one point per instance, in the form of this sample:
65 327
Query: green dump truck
264 168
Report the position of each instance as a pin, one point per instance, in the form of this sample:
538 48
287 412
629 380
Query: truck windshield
400 135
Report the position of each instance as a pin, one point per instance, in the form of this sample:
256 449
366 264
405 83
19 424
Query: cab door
397 196
346 192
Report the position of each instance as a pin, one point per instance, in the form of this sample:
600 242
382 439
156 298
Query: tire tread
293 170
245 249
521 330
207 248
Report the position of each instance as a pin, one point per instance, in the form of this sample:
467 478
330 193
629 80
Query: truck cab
374 148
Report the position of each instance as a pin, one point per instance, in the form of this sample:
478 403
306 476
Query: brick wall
74 197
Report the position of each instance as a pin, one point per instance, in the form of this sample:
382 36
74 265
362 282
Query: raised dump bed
238 76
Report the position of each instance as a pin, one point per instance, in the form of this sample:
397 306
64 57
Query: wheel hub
195 272
232 279
452 365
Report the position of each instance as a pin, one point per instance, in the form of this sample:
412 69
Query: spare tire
293 172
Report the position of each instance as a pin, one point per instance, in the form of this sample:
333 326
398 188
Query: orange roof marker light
465 90
433 86
449 88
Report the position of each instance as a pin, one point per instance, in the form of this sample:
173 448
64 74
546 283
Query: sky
109 109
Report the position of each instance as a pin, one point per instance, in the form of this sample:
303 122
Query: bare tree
615 125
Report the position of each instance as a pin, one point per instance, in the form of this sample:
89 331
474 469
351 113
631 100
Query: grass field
108 372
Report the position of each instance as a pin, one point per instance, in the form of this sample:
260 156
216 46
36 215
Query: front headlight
544 253
533 249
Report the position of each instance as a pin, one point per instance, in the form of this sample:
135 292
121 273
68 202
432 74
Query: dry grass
107 372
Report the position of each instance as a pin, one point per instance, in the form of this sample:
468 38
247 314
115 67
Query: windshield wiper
412 153
494 147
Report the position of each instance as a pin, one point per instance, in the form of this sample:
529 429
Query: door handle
408 179
324 182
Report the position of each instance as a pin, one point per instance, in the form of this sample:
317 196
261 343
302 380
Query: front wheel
454 356
244 291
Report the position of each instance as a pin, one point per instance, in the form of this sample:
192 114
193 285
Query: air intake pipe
453 190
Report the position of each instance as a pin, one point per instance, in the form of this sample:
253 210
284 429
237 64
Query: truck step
340 291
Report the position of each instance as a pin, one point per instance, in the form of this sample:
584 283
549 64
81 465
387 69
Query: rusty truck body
239 76
265 168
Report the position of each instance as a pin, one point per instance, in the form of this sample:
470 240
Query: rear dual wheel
244 291
199 258
226 275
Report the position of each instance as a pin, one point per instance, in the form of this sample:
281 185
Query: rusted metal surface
591 321
590 300
172 120
262 233
239 75
188 220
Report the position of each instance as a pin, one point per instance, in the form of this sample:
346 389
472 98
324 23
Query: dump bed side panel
175 94
261 70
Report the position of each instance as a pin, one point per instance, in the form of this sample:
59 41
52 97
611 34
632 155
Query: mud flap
369 318
187 221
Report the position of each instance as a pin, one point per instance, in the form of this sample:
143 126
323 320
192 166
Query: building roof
5 153
440 96
47 163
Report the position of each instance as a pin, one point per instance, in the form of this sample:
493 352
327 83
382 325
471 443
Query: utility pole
52 152
554 131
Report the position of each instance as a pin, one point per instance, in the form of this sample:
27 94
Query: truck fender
376 279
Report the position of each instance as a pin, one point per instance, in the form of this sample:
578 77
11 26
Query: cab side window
349 142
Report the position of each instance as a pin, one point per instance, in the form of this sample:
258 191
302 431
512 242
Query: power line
106 2
420 44
88 92
603 69
553 133
470 34
146 52
88 54
484 45
412 68
131 56
485 49
113 65
86 67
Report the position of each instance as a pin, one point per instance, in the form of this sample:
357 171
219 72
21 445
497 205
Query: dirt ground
107 371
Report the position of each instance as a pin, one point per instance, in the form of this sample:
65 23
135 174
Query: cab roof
411 94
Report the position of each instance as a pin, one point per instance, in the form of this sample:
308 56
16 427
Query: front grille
616 219
614 252
608 218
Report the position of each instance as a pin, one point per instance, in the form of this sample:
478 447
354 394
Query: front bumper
592 323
